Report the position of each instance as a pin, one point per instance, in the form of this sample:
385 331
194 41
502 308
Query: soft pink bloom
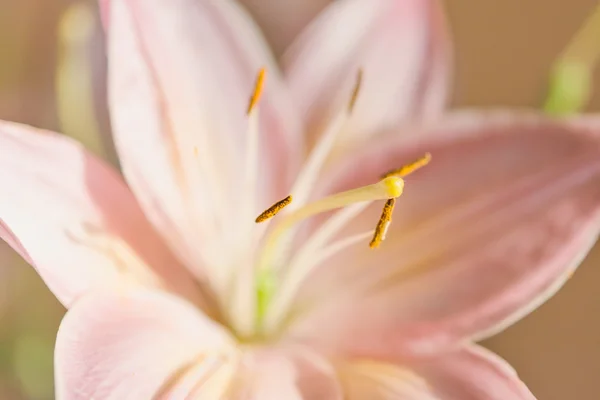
161 274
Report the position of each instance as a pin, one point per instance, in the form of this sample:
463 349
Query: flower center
261 310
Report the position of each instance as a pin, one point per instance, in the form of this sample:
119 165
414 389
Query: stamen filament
383 224
291 284
312 253
318 155
251 167
326 232
251 161
409 168
242 301
356 91
273 210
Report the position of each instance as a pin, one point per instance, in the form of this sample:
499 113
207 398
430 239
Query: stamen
409 168
383 224
325 233
282 299
274 209
243 304
258 90
310 171
356 91
248 208
385 189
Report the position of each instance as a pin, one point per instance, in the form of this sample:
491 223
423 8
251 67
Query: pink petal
104 11
180 76
135 345
470 374
373 380
282 20
73 218
286 372
402 48
473 374
487 232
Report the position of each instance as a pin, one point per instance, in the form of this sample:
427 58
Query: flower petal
482 236
135 345
470 374
73 218
473 373
286 372
373 380
400 45
180 75
282 20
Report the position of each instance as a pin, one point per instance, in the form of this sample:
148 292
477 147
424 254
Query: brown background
504 50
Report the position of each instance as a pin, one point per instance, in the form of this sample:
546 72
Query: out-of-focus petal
180 76
286 372
400 45
467 374
282 20
73 218
501 217
473 373
104 6
137 345
373 380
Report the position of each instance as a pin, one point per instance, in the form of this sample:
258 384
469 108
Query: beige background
504 49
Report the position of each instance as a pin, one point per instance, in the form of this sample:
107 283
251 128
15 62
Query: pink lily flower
173 291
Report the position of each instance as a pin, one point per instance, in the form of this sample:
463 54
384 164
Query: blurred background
52 73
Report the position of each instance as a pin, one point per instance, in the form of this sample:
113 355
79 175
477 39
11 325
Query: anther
356 90
409 168
383 224
274 209
258 90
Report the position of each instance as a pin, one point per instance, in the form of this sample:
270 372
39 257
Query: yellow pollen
274 209
409 168
383 224
258 90
356 90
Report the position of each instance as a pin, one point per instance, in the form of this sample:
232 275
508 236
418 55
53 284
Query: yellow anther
196 151
383 224
409 168
356 90
274 209
258 90
394 186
